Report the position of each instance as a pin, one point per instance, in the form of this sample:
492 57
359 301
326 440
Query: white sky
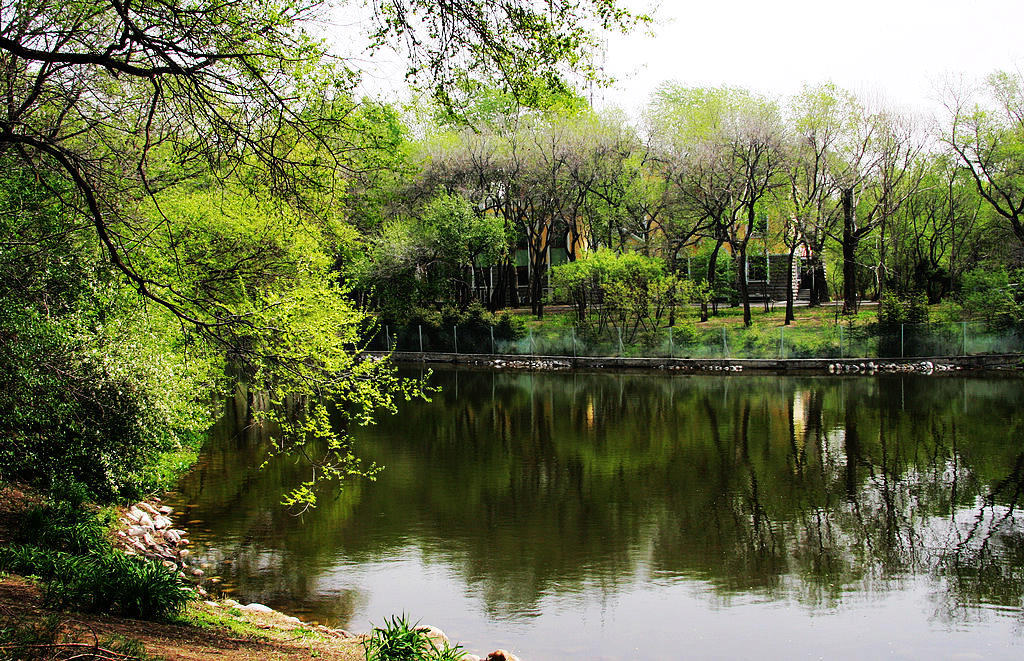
901 49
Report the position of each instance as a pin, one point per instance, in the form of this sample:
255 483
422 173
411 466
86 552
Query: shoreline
146 530
919 364
208 625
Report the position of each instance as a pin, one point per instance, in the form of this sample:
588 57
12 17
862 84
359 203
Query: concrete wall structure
795 365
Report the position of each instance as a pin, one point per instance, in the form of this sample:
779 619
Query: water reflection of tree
533 484
983 561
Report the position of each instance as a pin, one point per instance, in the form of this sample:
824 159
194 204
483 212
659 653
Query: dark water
613 516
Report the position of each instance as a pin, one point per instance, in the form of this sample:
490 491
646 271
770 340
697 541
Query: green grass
197 614
819 332
398 640
67 547
227 619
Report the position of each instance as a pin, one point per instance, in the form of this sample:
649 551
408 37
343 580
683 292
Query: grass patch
67 547
398 640
235 621
816 333
214 618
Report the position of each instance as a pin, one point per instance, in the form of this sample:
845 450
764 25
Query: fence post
573 341
782 342
965 338
533 347
725 344
620 339
671 344
901 341
420 328
841 354
387 336
492 339
455 334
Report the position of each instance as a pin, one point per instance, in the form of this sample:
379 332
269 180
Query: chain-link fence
827 341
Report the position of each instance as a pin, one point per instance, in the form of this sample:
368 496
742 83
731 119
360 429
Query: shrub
64 526
398 640
684 332
117 583
67 547
894 310
627 289
437 329
993 294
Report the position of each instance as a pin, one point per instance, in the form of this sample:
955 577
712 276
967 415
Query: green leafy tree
462 239
629 290
94 389
987 135
199 151
734 157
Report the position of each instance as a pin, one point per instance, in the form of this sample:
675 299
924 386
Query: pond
650 516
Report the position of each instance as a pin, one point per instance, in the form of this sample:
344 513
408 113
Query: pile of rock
702 367
535 364
146 531
871 367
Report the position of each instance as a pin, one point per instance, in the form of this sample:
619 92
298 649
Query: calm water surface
615 516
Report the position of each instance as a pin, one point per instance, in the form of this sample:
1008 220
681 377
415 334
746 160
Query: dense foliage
68 548
844 196
183 186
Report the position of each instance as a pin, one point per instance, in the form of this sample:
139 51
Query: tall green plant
398 640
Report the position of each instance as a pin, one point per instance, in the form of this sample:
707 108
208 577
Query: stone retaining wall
791 365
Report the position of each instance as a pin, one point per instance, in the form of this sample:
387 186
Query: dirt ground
239 636
21 603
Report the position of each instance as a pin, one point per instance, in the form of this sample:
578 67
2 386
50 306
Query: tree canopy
197 169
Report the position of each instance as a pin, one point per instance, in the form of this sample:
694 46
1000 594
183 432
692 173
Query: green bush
64 526
117 583
441 330
894 310
398 640
67 547
94 387
684 332
993 294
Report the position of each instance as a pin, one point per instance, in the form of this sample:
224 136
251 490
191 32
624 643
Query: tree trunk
513 283
850 241
742 277
672 266
712 264
790 317
537 283
819 285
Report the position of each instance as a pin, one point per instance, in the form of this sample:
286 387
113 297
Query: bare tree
755 142
987 135
877 172
818 118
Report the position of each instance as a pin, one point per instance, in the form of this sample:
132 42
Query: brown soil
21 603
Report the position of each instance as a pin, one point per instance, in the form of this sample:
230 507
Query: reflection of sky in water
573 517
900 618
